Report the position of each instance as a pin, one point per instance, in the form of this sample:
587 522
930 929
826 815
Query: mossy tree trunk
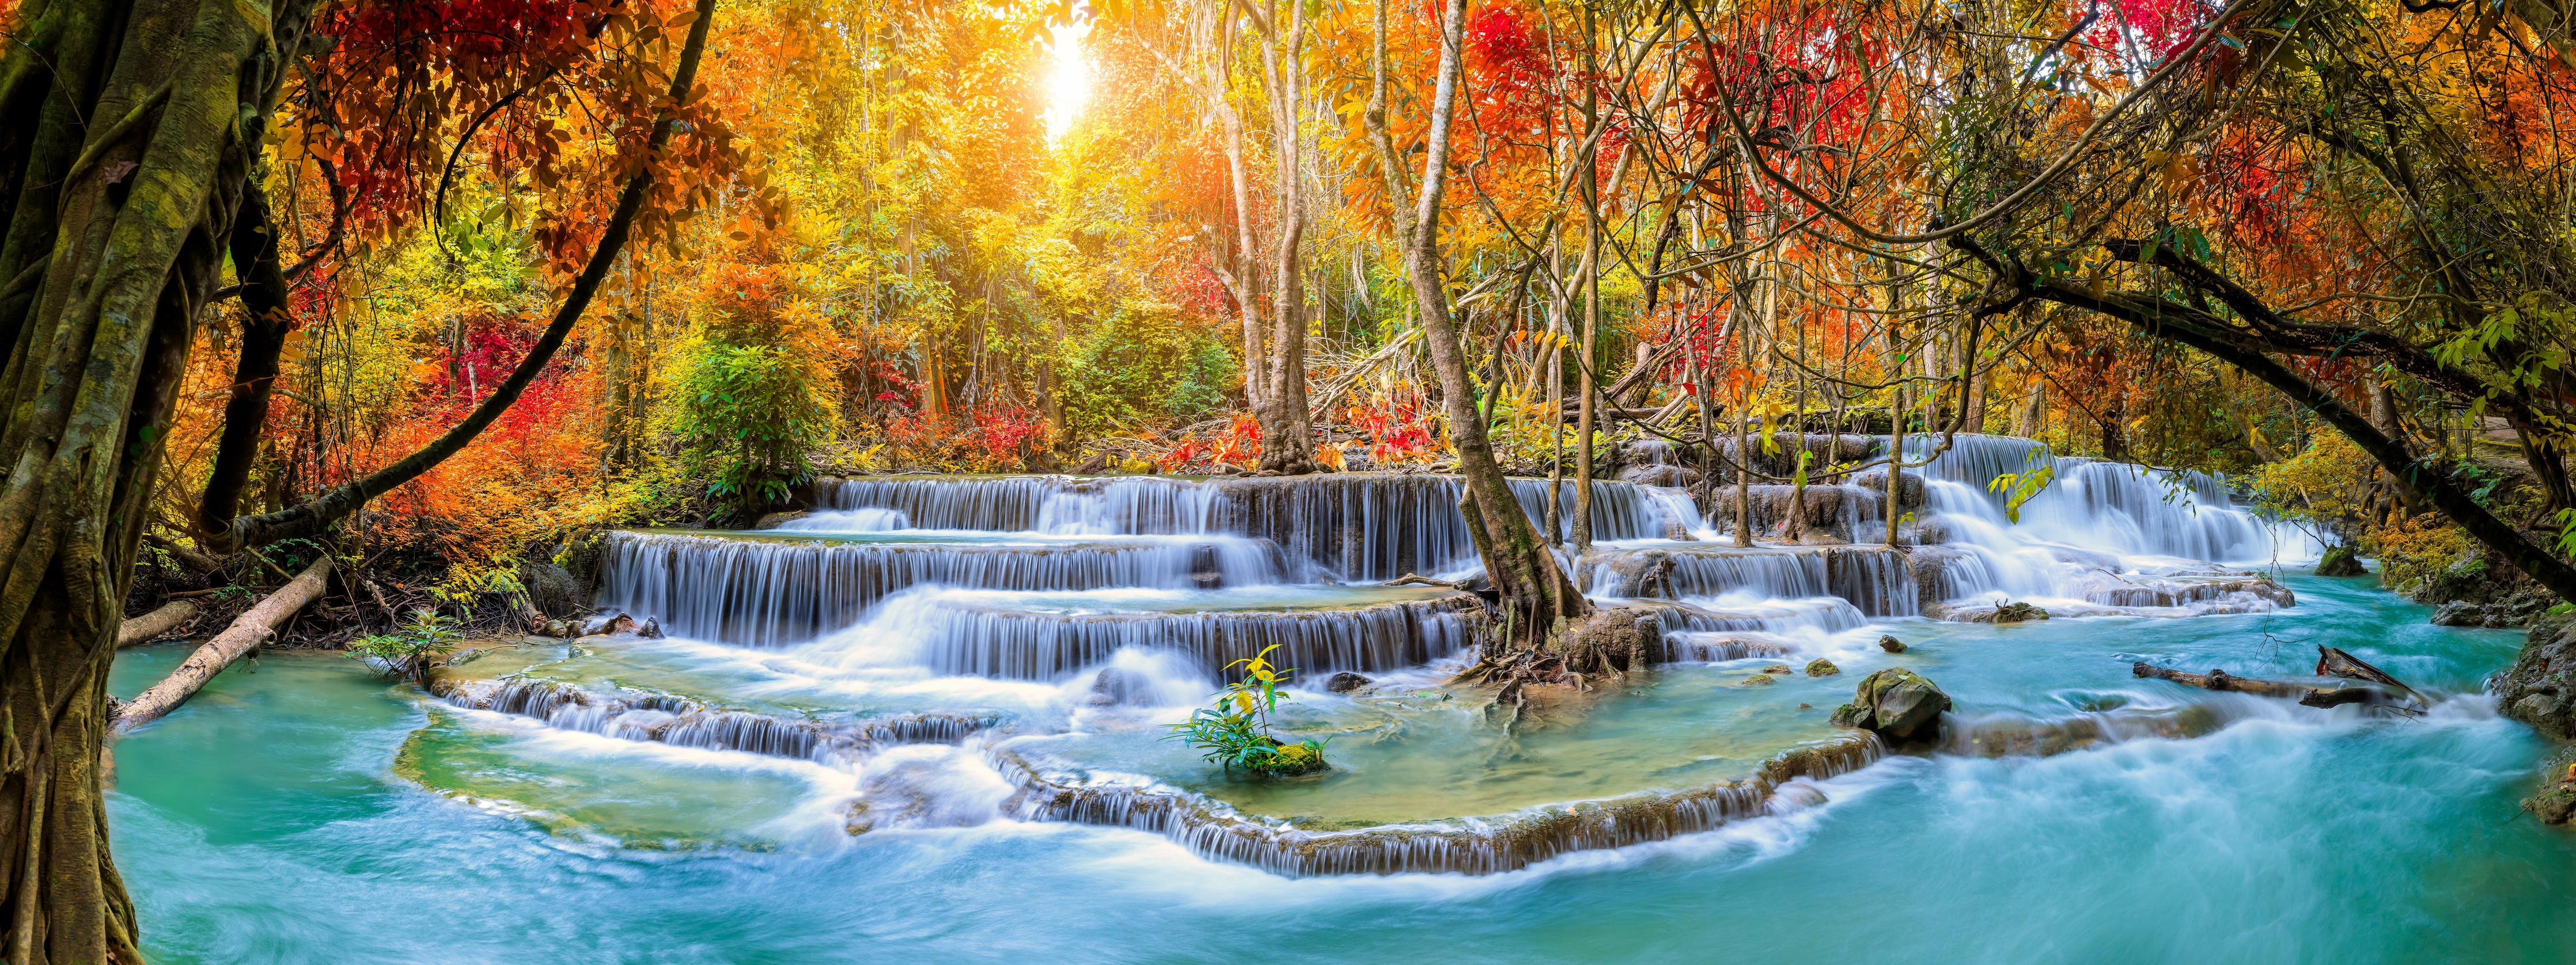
130 130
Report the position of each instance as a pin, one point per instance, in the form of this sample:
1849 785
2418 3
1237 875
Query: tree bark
254 627
1287 427
128 130
136 631
1536 595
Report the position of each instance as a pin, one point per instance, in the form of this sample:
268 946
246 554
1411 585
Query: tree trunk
254 627
1537 597
128 131
2033 419
137 631
1287 428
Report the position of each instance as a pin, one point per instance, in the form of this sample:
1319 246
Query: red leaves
419 101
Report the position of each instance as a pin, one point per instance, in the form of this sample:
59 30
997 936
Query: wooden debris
2310 695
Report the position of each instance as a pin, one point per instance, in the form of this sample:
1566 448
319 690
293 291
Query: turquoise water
309 811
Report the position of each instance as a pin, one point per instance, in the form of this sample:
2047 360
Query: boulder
1613 639
2515 610
2556 802
1891 644
775 520
551 588
2540 688
1821 667
1896 704
1113 687
2340 561
2018 612
1345 682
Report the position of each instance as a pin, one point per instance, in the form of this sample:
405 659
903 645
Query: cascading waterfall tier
1357 526
2107 506
1474 846
757 590
680 721
1006 636
1873 579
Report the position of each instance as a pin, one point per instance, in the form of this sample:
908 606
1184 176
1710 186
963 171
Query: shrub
2421 552
1235 732
419 644
748 415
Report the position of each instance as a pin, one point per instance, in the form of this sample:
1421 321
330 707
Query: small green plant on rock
417 645
1235 731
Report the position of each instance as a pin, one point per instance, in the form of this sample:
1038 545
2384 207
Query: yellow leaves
1772 413
2176 170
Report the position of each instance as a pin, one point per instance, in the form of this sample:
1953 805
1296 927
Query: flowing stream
924 724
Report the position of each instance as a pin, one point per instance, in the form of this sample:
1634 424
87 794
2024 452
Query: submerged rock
1821 667
1345 682
1895 704
2340 561
1890 644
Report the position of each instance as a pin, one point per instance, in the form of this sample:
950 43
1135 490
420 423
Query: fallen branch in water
156 624
2310 695
1416 579
2333 662
255 626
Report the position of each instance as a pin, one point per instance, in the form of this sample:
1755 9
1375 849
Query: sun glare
1068 78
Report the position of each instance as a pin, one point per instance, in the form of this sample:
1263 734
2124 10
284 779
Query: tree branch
314 516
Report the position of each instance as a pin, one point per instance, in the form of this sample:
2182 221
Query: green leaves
1235 731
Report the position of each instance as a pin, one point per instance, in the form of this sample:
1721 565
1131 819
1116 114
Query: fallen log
156 624
253 628
2333 662
2310 695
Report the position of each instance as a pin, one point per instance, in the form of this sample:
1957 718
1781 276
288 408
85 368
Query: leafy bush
419 644
2423 552
748 415
1236 731
2322 489
1138 368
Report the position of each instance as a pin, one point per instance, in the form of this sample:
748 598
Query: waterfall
768 592
975 634
2091 504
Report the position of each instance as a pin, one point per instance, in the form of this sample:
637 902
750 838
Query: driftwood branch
254 627
1416 579
156 624
2310 695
